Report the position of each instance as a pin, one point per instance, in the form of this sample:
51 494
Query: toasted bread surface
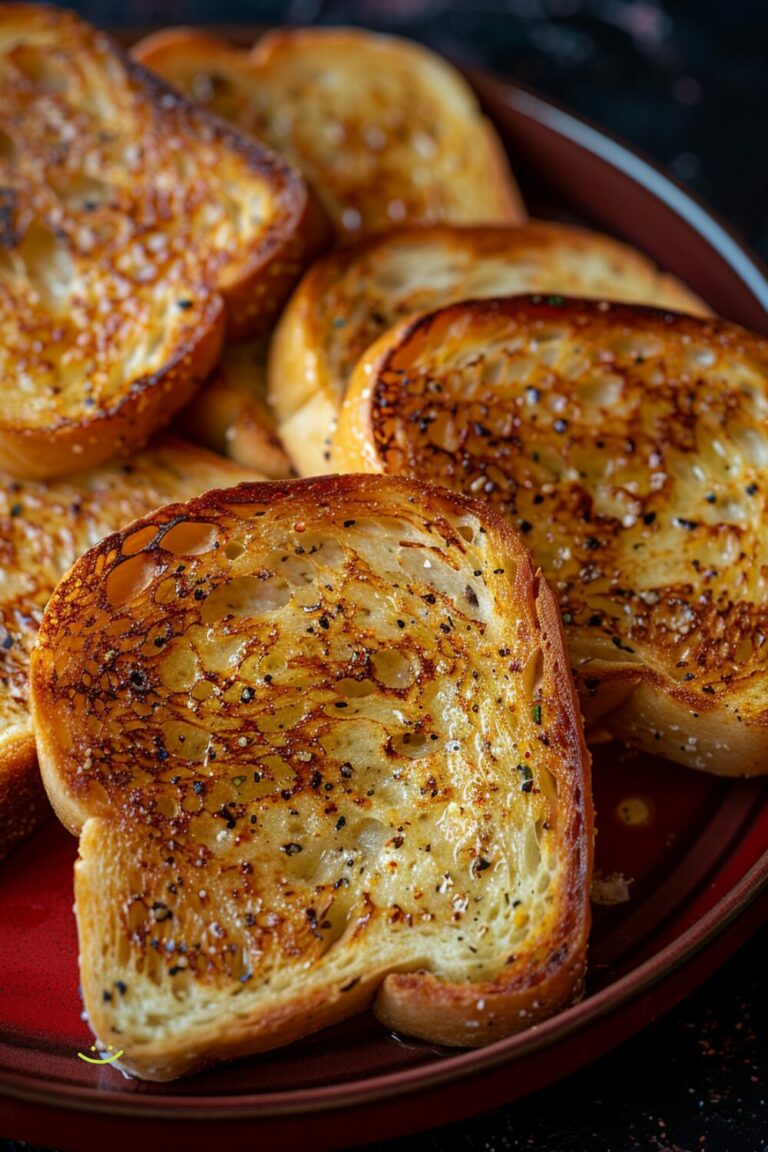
630 446
385 131
133 228
323 750
43 529
349 298
231 413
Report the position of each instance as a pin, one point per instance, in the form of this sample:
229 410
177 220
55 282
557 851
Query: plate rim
614 996
639 167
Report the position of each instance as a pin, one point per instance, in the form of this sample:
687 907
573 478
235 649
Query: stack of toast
324 739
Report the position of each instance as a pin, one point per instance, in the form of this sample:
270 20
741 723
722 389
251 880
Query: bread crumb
610 889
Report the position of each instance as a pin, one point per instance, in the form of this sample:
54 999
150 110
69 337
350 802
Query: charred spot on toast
629 445
306 714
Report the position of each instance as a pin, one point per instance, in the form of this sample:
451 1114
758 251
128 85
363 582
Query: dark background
687 82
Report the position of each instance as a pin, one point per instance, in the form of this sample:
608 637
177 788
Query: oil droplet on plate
635 811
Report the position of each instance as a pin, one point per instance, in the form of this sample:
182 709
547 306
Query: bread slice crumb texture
133 227
629 446
385 132
43 530
315 735
350 297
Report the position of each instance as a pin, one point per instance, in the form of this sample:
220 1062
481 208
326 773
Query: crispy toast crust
630 445
69 444
415 144
129 242
231 413
23 802
43 529
321 744
350 297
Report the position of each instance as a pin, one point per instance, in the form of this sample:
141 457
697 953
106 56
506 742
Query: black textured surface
695 1081
687 81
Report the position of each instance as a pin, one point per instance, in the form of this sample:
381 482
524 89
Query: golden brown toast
630 446
43 529
321 745
231 413
133 226
385 131
349 298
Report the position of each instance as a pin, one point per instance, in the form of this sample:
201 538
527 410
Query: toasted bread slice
631 446
43 529
385 131
231 413
349 298
132 227
322 747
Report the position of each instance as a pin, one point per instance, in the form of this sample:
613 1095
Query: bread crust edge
71 446
24 805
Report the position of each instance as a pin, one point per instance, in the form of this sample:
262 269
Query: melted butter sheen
632 457
333 738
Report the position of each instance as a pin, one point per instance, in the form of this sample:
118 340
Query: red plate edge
588 1029
535 117
738 901
671 975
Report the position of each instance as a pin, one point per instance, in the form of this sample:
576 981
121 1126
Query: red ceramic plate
697 862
